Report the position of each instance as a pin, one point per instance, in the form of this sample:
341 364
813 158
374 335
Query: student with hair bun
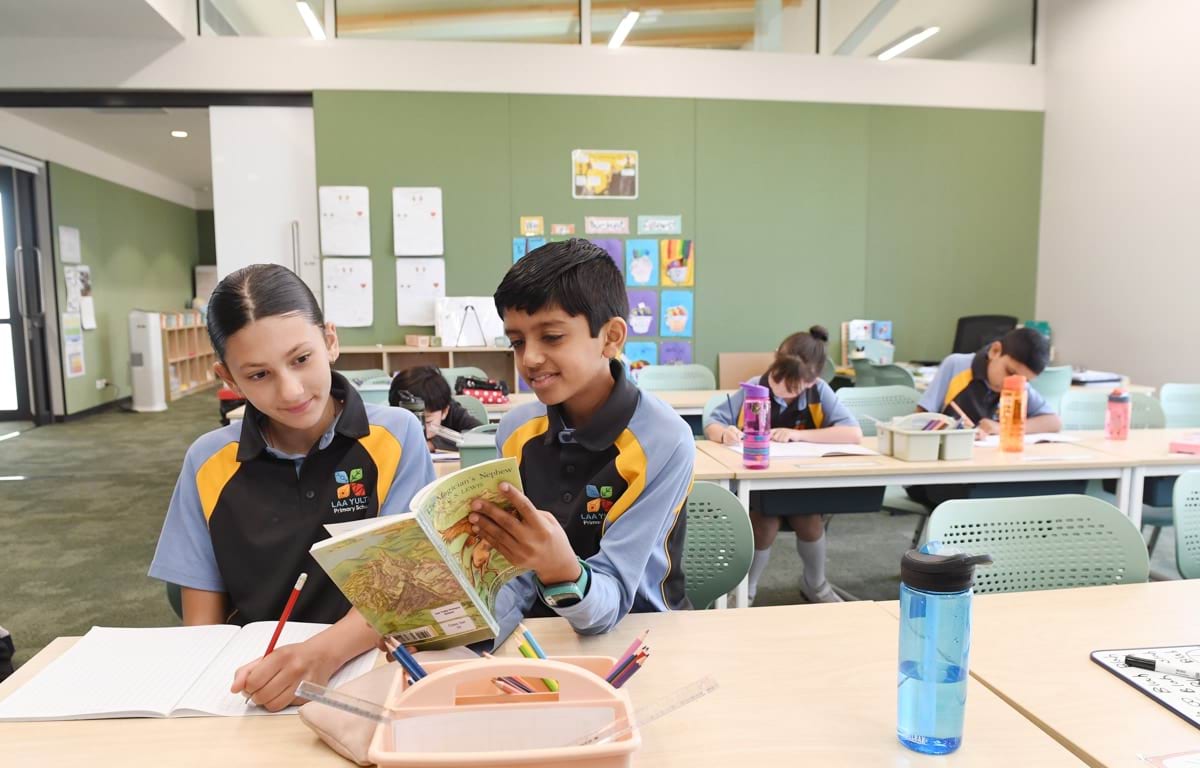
803 408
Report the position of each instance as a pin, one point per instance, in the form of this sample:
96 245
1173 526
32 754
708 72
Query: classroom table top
804 684
679 399
706 468
1145 447
1033 649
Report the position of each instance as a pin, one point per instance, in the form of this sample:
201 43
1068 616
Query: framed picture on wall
604 173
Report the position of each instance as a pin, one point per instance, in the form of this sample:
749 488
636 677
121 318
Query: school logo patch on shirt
351 492
601 492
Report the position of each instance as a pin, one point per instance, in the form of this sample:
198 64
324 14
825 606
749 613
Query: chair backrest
485 429
867 374
974 331
451 374
736 367
1187 524
1044 542
377 380
713 402
360 377
882 403
474 407
1052 384
1181 404
374 393
1084 408
829 371
663 377
719 545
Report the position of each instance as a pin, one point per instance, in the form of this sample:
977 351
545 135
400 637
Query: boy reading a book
606 467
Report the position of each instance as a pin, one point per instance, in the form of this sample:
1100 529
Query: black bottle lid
940 573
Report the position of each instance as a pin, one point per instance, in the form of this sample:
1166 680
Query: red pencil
287 611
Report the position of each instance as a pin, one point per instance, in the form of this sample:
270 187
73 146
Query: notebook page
115 672
803 450
210 695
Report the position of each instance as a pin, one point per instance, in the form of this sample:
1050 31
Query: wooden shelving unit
498 362
188 355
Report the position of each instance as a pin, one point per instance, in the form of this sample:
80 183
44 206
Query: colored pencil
527 652
632 670
616 673
970 424
401 654
287 611
514 680
629 652
532 642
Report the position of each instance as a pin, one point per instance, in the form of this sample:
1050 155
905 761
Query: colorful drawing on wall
519 245
640 260
643 311
639 354
678 258
615 250
607 173
675 352
660 225
532 226
677 312
533 243
562 229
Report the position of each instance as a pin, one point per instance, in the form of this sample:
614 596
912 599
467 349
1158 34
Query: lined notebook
802 450
1181 695
157 672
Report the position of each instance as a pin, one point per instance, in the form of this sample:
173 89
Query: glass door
14 376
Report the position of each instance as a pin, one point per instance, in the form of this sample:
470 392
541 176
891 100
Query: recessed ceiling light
179 134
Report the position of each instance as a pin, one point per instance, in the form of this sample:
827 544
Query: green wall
141 251
802 213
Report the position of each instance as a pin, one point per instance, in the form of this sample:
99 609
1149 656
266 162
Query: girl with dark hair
253 497
803 408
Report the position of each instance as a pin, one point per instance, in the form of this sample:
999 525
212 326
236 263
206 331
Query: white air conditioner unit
146 361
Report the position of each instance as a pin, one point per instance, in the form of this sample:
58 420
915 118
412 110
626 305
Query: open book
802 450
423 577
157 672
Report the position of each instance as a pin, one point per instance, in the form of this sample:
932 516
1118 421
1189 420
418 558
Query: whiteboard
467 321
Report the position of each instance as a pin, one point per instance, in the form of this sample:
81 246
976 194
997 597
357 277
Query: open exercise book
157 672
424 577
801 450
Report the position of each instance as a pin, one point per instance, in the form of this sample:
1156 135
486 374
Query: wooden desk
1147 451
686 402
1032 648
707 468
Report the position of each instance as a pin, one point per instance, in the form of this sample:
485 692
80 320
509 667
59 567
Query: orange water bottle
1012 414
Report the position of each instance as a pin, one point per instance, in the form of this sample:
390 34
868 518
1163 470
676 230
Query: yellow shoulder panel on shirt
214 474
631 465
385 450
957 385
523 434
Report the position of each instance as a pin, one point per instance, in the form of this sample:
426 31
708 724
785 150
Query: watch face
562 601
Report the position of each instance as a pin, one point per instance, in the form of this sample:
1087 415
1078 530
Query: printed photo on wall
640 262
643 310
609 173
675 352
678 258
615 250
639 354
676 313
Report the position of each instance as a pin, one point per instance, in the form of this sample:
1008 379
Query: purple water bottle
756 427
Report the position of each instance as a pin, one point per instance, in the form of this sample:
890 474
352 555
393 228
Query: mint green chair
385 381
870 405
175 598
1052 384
675 377
474 407
867 374
1084 408
376 394
451 374
1181 405
829 371
1044 542
719 544
1187 524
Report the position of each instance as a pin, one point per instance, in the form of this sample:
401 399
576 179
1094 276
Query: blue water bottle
935 639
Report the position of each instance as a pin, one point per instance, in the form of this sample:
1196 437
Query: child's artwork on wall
677 309
615 250
678 259
640 261
533 226
643 312
349 293
675 352
419 284
639 354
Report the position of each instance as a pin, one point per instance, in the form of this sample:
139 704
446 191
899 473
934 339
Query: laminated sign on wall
417 221
419 284
345 221
349 298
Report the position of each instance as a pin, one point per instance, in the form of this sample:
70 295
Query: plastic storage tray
906 439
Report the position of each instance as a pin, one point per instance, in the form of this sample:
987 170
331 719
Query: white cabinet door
265 189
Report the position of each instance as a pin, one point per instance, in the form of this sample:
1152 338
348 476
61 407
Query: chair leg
916 539
1153 539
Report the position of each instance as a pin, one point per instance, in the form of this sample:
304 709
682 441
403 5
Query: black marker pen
1192 672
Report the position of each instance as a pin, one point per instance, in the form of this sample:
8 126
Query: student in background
254 496
973 382
441 409
803 408
606 467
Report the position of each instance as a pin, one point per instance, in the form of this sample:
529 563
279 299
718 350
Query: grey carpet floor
77 536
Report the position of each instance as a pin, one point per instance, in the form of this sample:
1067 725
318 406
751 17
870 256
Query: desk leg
1137 482
742 594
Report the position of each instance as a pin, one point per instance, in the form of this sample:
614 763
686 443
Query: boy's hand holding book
531 538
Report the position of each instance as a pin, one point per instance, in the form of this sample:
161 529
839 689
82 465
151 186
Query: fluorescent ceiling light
179 134
310 20
623 29
917 36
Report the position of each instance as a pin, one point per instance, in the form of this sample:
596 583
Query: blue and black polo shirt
962 379
617 486
244 515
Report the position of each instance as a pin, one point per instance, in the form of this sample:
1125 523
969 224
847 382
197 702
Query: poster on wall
417 221
349 292
604 173
660 225
677 312
606 225
419 284
675 352
641 258
69 249
678 258
639 354
345 220
72 331
643 312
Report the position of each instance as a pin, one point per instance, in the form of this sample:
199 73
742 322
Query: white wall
29 138
1119 255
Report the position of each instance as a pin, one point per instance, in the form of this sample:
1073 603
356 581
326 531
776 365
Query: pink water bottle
756 427
1118 416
